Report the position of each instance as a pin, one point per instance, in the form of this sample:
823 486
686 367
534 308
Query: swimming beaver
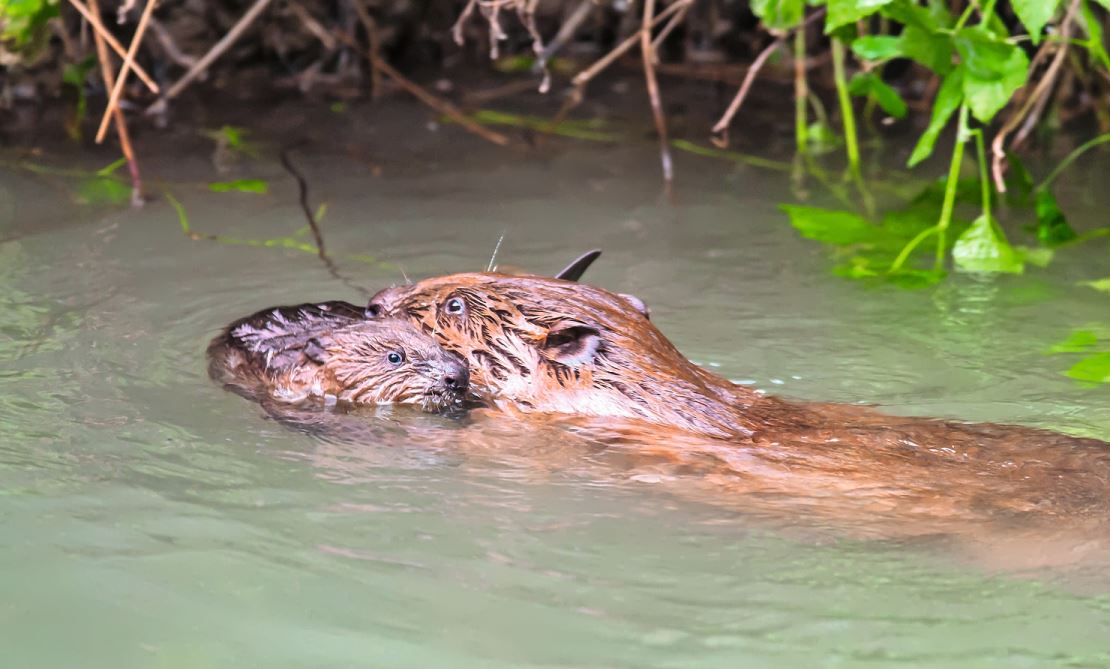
331 351
537 344
550 345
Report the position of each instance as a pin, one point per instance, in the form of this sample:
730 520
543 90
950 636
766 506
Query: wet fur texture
537 344
331 351
549 345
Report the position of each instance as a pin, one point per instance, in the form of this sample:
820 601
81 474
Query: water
150 519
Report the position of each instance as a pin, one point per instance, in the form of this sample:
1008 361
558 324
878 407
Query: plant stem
1071 158
904 254
950 187
984 179
801 90
849 119
851 143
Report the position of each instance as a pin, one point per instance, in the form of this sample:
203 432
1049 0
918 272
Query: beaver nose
456 375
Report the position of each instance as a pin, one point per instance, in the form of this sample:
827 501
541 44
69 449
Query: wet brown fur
536 344
331 351
554 346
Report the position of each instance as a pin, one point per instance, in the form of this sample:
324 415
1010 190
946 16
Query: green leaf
74 73
841 228
844 12
1076 342
1093 369
240 185
1034 14
877 47
778 14
1039 256
982 54
821 138
949 97
102 190
1105 4
983 248
1092 25
869 84
993 71
933 50
1052 226
1019 182
1098 284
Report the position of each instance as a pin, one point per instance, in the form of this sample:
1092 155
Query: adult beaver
537 344
331 351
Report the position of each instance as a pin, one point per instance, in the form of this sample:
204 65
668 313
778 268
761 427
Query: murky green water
150 519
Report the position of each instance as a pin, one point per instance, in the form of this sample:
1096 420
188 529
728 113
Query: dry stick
679 16
998 145
117 114
584 77
312 25
215 52
375 42
720 130
113 100
99 29
567 30
170 46
314 225
419 92
653 92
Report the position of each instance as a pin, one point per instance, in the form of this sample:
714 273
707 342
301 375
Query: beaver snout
454 375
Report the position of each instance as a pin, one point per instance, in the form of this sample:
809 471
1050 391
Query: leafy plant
981 63
1093 368
23 22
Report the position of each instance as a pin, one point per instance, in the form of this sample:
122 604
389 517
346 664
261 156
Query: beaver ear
572 346
637 304
578 266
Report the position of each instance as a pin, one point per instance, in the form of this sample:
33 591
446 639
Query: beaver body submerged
330 351
537 344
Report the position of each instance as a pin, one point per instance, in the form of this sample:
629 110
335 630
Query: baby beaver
330 351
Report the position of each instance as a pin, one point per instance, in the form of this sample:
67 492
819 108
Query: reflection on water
151 519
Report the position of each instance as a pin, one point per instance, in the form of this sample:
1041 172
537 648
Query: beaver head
546 344
330 351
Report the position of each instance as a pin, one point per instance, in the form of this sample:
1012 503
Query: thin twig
99 29
998 145
312 25
109 76
584 77
567 30
653 92
125 68
580 80
720 130
215 52
374 39
678 17
173 52
314 225
424 95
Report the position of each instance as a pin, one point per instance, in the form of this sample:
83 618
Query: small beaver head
551 345
389 362
329 350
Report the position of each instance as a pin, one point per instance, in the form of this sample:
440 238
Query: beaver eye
373 310
454 306
395 357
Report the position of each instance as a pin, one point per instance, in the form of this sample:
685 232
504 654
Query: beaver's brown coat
536 344
548 345
331 351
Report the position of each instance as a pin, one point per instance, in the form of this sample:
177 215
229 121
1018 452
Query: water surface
152 520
